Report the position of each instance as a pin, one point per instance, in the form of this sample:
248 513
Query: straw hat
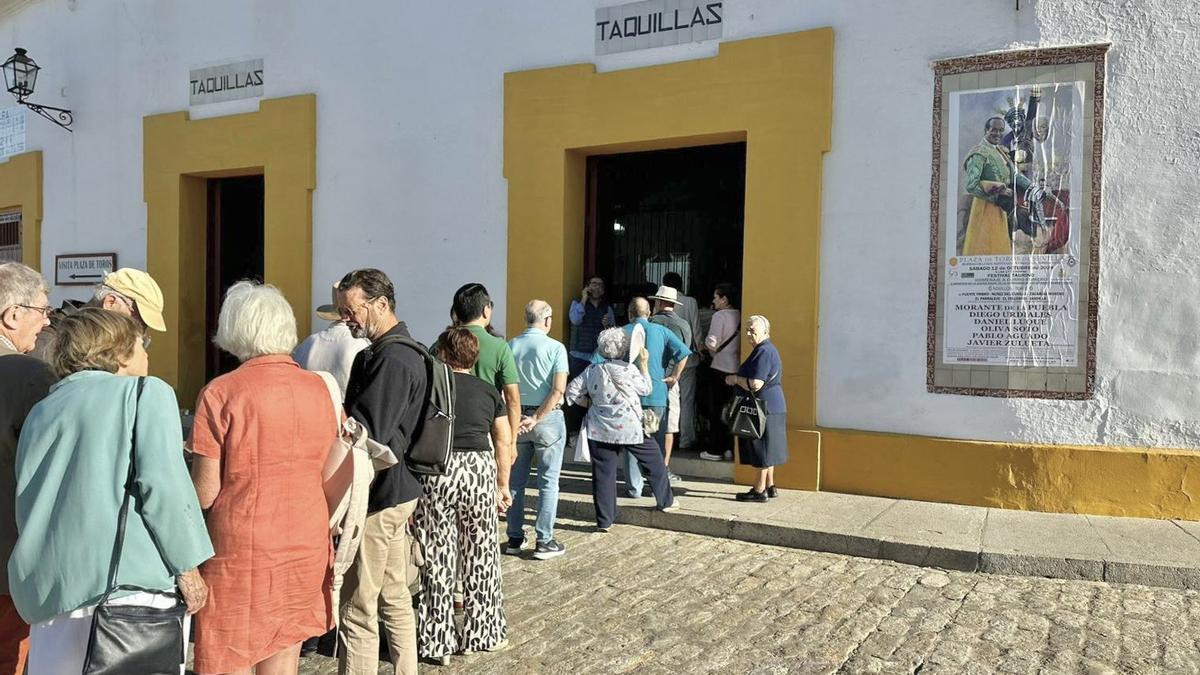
666 294
330 312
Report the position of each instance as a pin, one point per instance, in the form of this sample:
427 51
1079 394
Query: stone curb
887 548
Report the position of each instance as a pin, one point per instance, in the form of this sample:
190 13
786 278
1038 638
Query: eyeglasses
351 312
130 303
44 310
145 341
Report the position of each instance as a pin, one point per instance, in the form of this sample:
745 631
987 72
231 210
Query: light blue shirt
539 358
664 349
72 461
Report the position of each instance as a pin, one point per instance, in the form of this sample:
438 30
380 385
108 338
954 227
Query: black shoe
309 646
772 492
514 546
752 495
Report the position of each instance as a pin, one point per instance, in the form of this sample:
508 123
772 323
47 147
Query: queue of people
236 535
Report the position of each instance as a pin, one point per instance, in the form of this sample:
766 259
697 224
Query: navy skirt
771 449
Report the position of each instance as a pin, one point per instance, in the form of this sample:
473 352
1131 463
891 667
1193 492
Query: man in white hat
333 349
665 301
688 310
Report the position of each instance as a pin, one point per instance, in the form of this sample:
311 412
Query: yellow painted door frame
21 188
180 155
775 93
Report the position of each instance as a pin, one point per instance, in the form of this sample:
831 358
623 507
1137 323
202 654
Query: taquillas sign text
657 23
226 82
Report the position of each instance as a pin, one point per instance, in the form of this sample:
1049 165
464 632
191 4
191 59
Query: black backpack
433 440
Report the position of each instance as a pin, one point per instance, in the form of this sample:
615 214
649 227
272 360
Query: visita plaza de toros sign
226 82
657 23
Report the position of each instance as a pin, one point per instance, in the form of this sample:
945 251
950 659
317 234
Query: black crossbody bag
129 639
706 358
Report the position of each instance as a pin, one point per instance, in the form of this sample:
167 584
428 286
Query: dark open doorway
669 210
235 252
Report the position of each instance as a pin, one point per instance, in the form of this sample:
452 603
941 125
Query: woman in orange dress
260 439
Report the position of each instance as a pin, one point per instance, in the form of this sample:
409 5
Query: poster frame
1093 55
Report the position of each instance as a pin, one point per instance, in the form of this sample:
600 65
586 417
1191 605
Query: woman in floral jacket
612 391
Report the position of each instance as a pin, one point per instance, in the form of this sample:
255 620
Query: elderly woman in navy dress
762 373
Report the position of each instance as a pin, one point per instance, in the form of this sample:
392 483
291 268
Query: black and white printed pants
456 525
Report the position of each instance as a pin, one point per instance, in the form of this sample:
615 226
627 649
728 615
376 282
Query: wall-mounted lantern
20 76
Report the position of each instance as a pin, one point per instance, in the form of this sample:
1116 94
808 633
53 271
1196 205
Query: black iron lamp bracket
62 116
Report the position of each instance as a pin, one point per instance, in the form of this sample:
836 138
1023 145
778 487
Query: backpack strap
728 339
406 341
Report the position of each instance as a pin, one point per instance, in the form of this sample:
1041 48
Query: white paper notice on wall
12 131
226 82
657 23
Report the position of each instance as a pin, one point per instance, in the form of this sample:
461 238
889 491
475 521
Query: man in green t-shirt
472 308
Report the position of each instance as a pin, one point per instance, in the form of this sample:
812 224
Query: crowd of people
239 529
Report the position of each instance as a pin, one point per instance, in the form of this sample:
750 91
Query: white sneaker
711 456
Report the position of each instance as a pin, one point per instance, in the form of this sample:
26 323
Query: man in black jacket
386 392
24 380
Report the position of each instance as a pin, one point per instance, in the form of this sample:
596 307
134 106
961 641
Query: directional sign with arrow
83 269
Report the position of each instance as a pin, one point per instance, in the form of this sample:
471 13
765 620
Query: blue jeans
545 441
633 476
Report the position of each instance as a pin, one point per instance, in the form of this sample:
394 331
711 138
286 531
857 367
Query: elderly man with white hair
542 366
612 390
260 440
24 381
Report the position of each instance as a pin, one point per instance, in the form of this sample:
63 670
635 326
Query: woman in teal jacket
72 462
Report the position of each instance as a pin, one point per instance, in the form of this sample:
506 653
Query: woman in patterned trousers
456 516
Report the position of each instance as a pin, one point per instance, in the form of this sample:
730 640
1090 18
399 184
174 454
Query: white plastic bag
582 453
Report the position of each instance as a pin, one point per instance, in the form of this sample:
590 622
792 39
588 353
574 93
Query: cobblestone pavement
651 601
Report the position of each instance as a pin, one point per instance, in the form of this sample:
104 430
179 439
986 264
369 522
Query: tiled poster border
1095 54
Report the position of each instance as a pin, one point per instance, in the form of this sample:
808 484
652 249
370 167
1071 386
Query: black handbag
744 415
129 639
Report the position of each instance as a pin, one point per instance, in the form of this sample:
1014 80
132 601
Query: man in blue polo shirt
542 366
664 349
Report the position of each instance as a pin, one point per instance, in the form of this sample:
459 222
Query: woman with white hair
612 393
260 439
762 373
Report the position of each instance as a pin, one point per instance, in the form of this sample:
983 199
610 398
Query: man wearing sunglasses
24 380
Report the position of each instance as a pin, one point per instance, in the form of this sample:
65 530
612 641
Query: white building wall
409 156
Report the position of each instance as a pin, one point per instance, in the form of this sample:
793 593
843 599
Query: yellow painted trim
278 141
773 92
1099 480
21 188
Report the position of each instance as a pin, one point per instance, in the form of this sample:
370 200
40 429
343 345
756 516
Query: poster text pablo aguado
1014 311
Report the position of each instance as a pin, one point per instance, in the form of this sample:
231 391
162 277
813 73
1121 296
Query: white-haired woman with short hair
612 393
762 373
260 439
